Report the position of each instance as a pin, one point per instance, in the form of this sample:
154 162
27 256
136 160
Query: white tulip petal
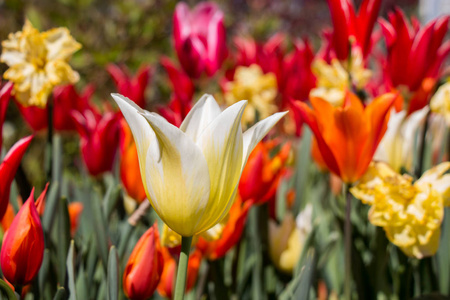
200 116
221 144
180 177
256 133
143 134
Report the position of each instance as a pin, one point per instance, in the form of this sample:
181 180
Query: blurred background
136 32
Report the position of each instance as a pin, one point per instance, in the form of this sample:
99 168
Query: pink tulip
199 37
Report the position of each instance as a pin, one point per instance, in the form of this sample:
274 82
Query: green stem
180 284
49 138
419 167
348 243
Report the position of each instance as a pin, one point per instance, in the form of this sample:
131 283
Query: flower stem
180 284
49 166
421 158
348 243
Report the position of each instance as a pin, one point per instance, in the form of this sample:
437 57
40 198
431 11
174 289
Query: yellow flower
333 79
411 214
286 241
38 61
190 174
440 102
259 89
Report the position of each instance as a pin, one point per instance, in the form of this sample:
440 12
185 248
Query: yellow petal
200 116
178 181
221 144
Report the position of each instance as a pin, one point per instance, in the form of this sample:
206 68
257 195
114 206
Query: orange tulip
262 173
129 166
145 265
231 233
8 218
347 136
23 245
167 283
75 210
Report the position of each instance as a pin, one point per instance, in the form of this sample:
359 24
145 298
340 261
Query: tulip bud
23 245
144 267
8 169
75 210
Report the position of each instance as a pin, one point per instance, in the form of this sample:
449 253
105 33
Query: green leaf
99 226
301 284
111 197
81 285
51 205
60 294
43 271
113 275
442 256
125 234
6 292
63 242
57 158
71 271
302 167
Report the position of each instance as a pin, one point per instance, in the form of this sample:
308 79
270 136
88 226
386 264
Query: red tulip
99 139
297 78
347 136
261 174
144 267
131 87
8 170
5 94
269 55
415 54
199 37
175 111
65 100
182 85
23 245
183 90
349 25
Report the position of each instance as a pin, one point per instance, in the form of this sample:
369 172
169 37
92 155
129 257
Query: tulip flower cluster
231 160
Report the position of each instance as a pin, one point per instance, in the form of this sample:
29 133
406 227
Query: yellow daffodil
440 102
286 241
258 88
395 147
410 213
38 61
335 78
191 173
